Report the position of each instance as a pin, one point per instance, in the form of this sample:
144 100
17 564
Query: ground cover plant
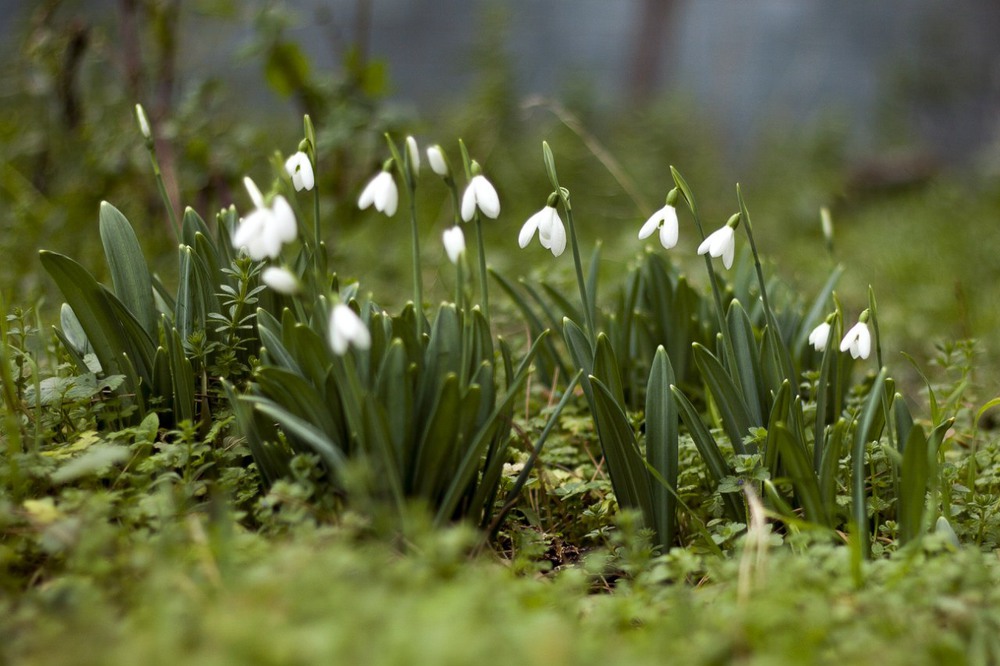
254 454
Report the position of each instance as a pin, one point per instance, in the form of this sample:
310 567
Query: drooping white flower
414 154
454 243
266 228
346 329
720 243
551 232
435 157
140 116
281 280
300 170
665 220
857 340
480 193
382 192
820 336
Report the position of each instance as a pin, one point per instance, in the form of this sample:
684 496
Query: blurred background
887 113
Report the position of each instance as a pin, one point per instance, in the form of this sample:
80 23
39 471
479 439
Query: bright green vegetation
631 455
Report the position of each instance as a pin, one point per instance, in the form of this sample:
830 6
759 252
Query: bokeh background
887 113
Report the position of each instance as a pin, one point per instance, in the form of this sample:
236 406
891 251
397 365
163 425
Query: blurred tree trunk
653 23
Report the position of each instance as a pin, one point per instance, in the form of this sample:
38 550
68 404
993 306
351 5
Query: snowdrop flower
480 193
281 280
551 232
264 230
454 243
414 154
300 170
382 192
722 242
346 329
858 340
439 165
820 336
140 115
665 220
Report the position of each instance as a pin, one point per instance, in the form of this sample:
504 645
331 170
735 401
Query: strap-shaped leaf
859 496
779 414
93 309
800 470
129 272
304 432
829 467
469 465
746 362
662 444
437 440
733 410
716 463
182 378
913 485
606 369
625 466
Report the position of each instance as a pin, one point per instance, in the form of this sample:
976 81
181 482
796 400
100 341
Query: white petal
387 195
820 336
411 147
367 197
435 157
469 203
247 235
651 224
558 235
864 343
299 169
283 220
454 243
255 196
346 328
280 279
668 232
722 242
528 230
486 197
703 247
852 336
728 253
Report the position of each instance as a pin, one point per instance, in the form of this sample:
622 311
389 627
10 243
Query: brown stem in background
69 97
166 34
131 56
652 24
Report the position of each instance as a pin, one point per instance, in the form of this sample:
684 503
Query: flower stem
483 286
151 147
588 312
418 287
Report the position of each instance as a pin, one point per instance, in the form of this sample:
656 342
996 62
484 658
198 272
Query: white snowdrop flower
300 170
480 193
380 191
435 157
414 154
665 220
281 280
140 115
266 228
820 336
454 243
346 329
551 232
858 340
722 242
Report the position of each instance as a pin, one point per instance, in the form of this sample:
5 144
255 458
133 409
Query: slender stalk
588 312
483 286
161 186
418 286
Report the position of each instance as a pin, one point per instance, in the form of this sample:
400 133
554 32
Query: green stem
418 287
161 186
588 312
483 287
